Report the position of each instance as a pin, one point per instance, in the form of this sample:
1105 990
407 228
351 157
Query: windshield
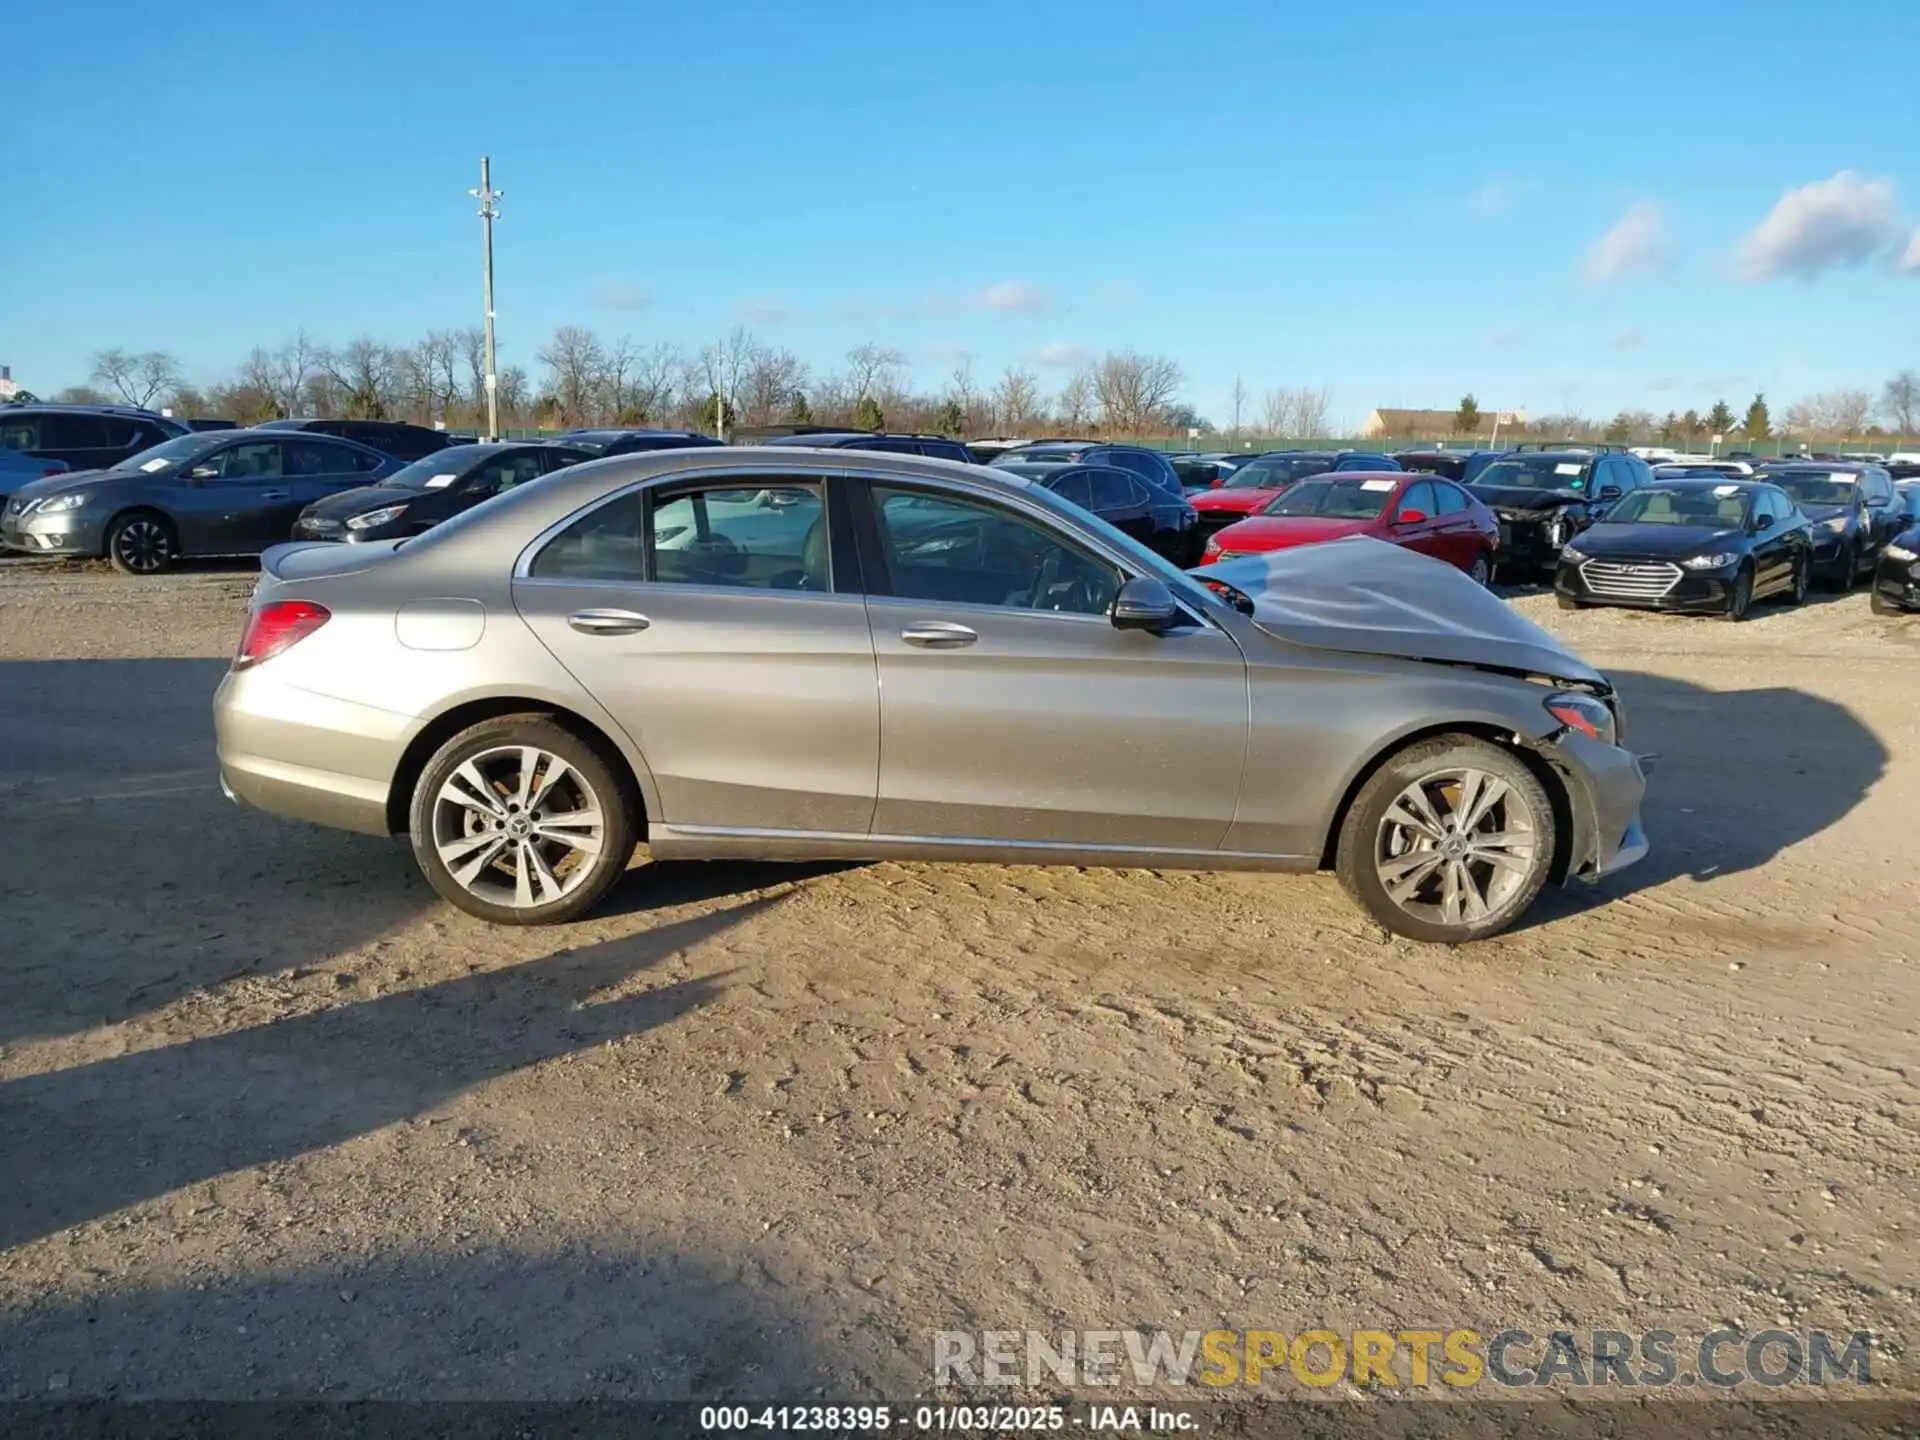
437 471
1272 472
1536 472
1354 499
170 453
1716 507
1816 487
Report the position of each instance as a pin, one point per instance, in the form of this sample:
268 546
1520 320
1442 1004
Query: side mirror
1762 522
1144 604
204 472
1609 492
1411 517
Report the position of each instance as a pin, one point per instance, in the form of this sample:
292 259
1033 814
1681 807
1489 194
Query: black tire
141 542
1361 833
1847 572
1880 605
1482 571
599 781
1741 601
1566 602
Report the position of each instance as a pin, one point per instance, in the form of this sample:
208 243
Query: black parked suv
937 446
87 437
1543 498
398 438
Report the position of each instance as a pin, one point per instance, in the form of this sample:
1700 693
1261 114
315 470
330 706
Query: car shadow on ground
87 1140
573 1319
1740 775
131 879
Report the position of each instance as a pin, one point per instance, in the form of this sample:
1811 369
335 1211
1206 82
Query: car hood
1243 500
1818 513
71 480
1279 532
1516 497
361 499
1375 598
1664 542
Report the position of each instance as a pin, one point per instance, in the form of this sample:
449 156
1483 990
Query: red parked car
1422 512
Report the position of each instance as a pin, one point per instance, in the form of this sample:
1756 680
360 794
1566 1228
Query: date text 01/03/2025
949 1419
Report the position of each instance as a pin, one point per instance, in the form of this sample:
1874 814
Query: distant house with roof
8 387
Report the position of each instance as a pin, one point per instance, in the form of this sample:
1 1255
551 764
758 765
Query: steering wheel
1043 581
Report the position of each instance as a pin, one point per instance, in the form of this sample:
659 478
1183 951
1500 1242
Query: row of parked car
1604 526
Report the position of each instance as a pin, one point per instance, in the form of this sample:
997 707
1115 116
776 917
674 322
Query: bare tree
363 372
141 378
1276 412
1237 400
1077 399
1900 403
1839 414
722 367
1016 400
576 364
773 378
960 390
870 368
1312 411
288 368
1134 389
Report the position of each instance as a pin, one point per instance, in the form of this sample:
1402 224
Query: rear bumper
305 756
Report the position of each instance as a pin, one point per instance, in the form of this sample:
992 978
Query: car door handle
938 635
608 622
276 494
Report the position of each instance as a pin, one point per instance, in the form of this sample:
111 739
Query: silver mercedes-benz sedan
793 654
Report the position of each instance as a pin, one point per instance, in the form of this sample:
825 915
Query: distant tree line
584 378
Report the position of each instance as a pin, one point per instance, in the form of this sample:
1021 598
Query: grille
1618 580
1213 521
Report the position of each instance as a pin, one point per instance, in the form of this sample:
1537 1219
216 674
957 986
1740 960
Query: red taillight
278 626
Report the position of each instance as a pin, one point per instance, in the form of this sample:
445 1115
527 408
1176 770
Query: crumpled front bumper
1605 787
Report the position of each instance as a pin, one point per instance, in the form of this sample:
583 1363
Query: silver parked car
787 654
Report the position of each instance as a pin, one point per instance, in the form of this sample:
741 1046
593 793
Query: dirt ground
282 1124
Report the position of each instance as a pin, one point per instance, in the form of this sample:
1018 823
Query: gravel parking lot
281 1123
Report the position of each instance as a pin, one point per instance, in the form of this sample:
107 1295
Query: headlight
1213 546
1567 552
1712 562
53 504
1592 718
376 517
1838 524
1901 553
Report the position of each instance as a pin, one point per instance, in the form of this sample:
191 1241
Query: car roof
1821 467
1702 482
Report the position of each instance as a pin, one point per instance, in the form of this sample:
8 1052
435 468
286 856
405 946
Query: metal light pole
489 212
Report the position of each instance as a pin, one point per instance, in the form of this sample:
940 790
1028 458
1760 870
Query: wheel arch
444 726
1556 783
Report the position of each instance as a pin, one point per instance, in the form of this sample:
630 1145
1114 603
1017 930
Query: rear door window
1075 488
317 457
1448 500
1112 491
1419 497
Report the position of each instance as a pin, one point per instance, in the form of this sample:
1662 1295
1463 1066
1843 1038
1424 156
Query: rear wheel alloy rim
1456 847
1482 571
518 826
141 545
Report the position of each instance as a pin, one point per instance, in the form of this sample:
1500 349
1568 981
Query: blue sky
1551 206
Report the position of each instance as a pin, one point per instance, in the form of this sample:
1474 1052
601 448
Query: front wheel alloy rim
518 826
1455 847
141 545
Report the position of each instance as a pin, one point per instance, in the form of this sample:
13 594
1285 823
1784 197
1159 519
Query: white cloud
1497 195
1910 262
1012 297
767 312
1635 244
624 297
1631 338
1819 227
1061 355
